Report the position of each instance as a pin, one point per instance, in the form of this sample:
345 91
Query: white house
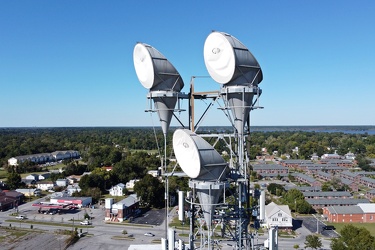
278 215
62 182
130 184
154 173
117 190
34 177
45 185
44 176
29 191
73 179
13 161
73 188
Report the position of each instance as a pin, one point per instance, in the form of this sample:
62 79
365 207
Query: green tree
353 238
292 195
303 207
326 187
313 241
338 244
275 189
363 162
13 180
151 191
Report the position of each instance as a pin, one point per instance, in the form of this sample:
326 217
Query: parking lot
153 217
316 226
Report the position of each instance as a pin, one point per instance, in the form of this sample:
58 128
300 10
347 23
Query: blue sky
70 63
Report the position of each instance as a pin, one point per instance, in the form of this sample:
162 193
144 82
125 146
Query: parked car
329 228
150 234
85 222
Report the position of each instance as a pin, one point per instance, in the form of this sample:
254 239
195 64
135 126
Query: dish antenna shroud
162 79
228 61
204 165
231 64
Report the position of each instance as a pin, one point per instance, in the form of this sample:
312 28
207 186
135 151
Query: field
3 174
369 226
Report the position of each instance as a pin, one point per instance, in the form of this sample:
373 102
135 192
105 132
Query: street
102 235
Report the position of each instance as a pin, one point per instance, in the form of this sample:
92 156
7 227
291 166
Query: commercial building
122 210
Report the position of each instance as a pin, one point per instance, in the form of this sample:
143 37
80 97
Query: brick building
361 213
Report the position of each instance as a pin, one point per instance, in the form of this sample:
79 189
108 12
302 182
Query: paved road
109 236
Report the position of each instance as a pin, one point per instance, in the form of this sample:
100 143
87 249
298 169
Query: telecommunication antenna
164 82
233 66
207 170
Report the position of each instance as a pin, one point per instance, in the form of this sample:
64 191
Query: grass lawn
3 174
369 226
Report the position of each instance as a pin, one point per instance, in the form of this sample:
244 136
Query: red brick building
361 213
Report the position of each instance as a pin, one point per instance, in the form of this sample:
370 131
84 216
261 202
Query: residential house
296 164
65 155
304 188
278 216
154 173
44 176
73 188
74 178
45 185
339 162
351 184
44 157
370 194
325 202
327 195
36 158
61 182
331 156
271 170
9 200
28 192
107 168
307 179
368 182
327 168
130 184
29 183
117 190
34 177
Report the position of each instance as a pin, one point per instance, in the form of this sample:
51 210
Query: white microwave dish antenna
228 61
197 158
154 71
162 79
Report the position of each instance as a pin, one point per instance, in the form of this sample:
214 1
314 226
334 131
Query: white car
21 217
85 222
150 234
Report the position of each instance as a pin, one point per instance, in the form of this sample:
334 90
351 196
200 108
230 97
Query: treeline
90 142
105 145
309 143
